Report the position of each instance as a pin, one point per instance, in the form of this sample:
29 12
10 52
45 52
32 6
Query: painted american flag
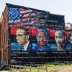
14 16
21 16
27 16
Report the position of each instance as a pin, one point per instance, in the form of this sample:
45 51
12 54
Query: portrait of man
69 45
70 37
22 38
60 41
42 37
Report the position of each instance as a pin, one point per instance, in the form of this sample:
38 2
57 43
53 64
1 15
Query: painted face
42 39
71 39
59 38
20 36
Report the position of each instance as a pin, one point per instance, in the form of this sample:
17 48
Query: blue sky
62 7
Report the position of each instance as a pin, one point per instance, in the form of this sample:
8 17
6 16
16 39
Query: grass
44 68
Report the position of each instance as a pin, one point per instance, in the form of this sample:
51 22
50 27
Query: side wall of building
4 39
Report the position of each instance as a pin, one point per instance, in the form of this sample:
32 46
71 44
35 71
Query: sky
61 7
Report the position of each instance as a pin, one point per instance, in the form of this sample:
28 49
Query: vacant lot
43 68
